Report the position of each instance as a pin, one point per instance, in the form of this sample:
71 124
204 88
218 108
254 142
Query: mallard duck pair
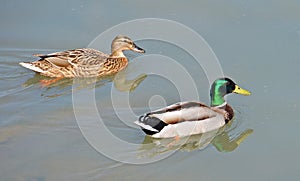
177 120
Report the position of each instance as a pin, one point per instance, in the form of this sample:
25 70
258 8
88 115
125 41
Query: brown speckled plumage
84 62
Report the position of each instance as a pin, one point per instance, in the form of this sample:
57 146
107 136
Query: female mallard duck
84 62
189 118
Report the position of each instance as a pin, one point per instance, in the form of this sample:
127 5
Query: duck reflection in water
64 86
219 138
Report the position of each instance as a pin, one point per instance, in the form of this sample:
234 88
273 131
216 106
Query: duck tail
150 125
31 66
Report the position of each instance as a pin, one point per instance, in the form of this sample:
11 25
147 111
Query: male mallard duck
189 118
84 62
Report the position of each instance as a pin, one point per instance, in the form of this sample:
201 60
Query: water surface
257 45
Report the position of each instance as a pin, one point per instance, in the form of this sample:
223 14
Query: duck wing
76 57
183 111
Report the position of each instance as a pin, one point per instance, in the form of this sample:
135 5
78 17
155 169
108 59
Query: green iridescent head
222 87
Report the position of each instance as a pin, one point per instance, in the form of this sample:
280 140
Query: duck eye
128 42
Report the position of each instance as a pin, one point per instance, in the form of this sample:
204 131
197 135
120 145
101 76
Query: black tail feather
153 122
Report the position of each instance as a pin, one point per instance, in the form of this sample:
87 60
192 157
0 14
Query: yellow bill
239 90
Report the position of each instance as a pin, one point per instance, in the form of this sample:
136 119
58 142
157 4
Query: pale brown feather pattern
79 63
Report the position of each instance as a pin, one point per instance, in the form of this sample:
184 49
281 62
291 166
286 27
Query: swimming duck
189 118
84 62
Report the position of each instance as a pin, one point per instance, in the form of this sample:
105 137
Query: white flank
145 126
191 127
31 67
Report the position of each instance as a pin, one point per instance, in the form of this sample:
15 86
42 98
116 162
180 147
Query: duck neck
117 53
217 100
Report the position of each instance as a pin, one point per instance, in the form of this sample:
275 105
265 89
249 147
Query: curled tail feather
150 125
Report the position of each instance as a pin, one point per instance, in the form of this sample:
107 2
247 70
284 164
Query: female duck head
121 43
222 87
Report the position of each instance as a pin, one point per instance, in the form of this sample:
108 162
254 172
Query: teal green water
257 45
